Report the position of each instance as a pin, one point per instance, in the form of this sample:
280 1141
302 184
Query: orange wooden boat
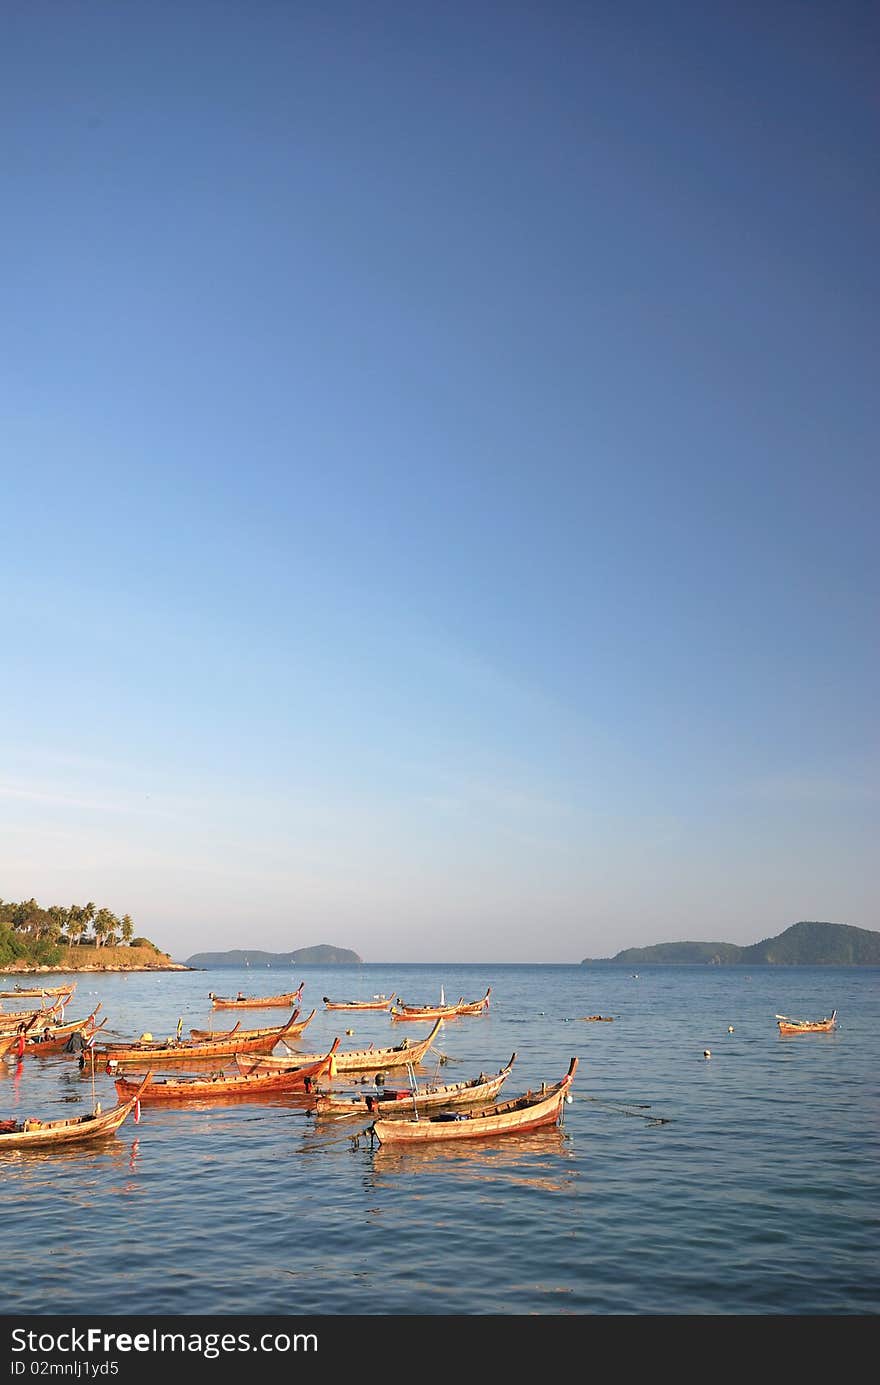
393 1103
295 1029
54 1038
475 1007
377 1003
223 1086
418 1013
370 1060
182 1052
790 1026
257 1002
528 1112
38 1134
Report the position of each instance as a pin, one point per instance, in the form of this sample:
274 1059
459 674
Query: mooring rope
622 1110
353 1137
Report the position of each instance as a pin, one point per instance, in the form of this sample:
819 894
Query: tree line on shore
28 931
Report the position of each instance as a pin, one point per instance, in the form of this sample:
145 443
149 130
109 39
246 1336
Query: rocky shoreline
91 959
19 970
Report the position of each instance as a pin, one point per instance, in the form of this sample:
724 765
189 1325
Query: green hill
804 944
321 956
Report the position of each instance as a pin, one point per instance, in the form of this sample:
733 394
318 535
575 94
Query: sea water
705 1164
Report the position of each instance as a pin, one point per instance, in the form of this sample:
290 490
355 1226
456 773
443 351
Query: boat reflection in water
529 1160
88 1166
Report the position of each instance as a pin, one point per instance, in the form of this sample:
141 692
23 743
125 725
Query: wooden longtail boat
790 1026
222 1086
55 1038
182 1052
19 991
374 1060
528 1112
257 1002
395 1102
12 1018
294 1029
416 1013
475 1007
41 1028
595 1019
379 1003
446 1012
36 1134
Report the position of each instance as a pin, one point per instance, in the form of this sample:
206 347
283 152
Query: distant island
321 956
804 944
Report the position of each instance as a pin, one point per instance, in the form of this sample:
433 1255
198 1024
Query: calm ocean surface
743 1183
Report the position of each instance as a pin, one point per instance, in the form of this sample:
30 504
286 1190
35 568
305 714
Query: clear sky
440 471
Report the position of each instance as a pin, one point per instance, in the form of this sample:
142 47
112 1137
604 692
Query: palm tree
74 925
127 929
102 925
26 917
57 918
64 920
88 914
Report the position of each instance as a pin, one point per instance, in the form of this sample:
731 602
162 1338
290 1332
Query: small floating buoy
707 1053
349 1031
730 1029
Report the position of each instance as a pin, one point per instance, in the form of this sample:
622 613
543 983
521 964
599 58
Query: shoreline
75 971
90 960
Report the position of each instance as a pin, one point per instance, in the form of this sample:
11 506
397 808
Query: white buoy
730 1029
707 1053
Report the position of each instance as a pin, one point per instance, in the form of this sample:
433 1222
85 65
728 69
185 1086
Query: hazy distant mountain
802 945
321 956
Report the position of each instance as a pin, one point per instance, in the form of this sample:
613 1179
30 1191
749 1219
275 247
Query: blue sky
439 461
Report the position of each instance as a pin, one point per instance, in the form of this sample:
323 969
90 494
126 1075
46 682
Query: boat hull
358 1004
446 1012
223 1087
369 1060
77 1130
257 1002
192 1051
397 1106
294 1030
532 1111
789 1026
